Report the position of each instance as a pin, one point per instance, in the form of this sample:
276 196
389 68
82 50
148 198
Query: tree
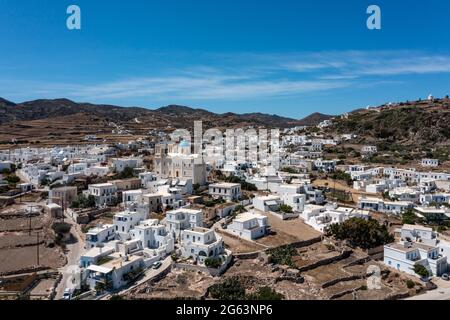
343 176
196 188
286 208
362 233
421 270
409 217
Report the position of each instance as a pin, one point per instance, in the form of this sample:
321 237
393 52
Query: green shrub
213 262
410 284
421 270
265 293
229 289
285 208
283 255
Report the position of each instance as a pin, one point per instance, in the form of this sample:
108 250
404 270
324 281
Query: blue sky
281 57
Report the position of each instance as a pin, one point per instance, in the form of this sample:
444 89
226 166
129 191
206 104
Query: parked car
445 277
67 295
157 265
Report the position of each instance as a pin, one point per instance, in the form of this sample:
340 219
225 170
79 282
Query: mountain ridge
176 114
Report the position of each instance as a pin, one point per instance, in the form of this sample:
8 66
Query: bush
265 293
127 173
229 289
410 284
12 179
283 255
61 227
213 262
285 208
289 170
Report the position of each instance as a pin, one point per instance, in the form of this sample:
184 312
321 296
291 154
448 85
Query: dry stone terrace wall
326 261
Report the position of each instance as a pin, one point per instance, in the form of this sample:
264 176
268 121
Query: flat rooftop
225 185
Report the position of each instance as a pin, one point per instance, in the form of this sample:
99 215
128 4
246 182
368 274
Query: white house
430 162
403 257
120 164
131 196
369 149
249 225
149 181
115 273
226 191
153 235
104 193
321 217
267 203
99 235
201 243
182 219
379 205
439 198
125 221
405 194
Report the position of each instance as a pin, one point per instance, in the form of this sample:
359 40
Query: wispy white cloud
249 76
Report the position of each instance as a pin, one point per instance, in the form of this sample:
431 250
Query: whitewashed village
150 219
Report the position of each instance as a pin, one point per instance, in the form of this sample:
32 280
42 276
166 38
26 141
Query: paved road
441 293
74 250
438 294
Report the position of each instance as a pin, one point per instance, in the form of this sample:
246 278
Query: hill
173 115
412 123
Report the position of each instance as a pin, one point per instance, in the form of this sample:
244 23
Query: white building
99 235
418 245
104 193
267 203
379 205
321 217
201 243
369 149
131 196
149 181
153 235
120 164
182 219
125 221
114 273
439 198
249 225
176 161
226 191
430 162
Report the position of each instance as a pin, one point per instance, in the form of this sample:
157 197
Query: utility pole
29 216
37 248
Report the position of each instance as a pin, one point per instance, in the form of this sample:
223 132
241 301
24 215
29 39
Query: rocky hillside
411 123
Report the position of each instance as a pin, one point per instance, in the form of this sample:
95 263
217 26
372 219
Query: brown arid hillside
412 123
403 133
59 121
